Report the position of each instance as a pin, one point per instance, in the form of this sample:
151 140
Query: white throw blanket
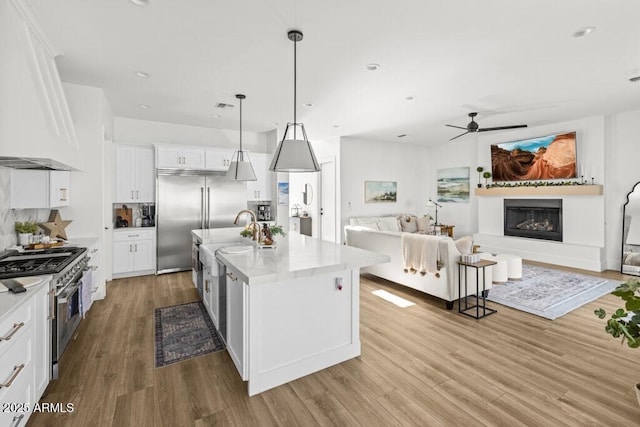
420 253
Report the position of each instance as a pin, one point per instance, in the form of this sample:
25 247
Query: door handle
137 197
202 212
130 248
136 247
208 207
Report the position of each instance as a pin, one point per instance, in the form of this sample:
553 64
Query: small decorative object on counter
486 177
56 225
480 169
25 231
266 235
295 210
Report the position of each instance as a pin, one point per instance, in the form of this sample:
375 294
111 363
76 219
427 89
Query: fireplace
533 218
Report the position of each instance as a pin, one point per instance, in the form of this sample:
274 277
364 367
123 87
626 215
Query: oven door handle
70 290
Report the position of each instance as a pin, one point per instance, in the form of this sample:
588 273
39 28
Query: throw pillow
464 245
373 225
388 223
423 223
409 224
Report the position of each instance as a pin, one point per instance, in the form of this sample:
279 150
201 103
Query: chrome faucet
254 224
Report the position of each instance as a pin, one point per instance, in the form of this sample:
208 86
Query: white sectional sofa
365 233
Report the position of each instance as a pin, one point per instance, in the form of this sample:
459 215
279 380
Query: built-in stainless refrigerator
191 200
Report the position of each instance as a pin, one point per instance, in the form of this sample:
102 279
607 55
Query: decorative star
56 225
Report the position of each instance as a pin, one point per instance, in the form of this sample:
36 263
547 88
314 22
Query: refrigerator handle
208 207
202 211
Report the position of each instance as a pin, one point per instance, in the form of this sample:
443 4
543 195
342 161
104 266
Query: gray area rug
184 331
550 293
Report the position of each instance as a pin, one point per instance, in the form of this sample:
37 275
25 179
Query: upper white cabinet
135 175
180 157
218 159
260 189
39 189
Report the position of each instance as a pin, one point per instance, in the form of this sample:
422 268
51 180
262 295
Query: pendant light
241 169
294 155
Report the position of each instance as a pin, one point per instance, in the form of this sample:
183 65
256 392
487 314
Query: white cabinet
260 189
180 157
237 312
25 355
39 189
135 174
218 159
133 252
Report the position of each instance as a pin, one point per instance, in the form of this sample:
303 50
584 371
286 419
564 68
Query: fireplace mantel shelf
551 190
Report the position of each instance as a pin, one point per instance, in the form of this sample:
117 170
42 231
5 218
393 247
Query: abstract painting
453 185
283 193
380 191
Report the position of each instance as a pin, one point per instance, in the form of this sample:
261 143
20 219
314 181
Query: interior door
328 201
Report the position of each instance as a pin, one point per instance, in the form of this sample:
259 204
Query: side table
480 295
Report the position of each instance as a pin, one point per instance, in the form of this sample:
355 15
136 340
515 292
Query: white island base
292 311
294 327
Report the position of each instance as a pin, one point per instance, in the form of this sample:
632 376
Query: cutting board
125 213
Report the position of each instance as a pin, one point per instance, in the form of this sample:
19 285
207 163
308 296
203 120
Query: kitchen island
291 310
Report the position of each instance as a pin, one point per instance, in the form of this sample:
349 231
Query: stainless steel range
66 265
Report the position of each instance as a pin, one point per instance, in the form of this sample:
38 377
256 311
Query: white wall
362 160
461 152
143 132
622 155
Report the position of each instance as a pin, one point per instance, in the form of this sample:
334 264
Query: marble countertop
297 256
10 302
217 235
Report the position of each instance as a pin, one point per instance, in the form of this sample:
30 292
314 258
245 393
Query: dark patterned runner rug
184 331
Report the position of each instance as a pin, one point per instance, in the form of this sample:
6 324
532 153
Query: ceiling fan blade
501 128
457 127
459 136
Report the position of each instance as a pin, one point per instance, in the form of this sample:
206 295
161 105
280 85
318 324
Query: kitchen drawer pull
131 194
16 327
133 235
231 276
16 371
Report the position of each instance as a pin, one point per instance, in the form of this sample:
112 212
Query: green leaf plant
624 323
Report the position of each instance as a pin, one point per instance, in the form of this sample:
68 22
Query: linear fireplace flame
533 218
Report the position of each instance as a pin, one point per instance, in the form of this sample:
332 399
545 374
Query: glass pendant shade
240 168
294 155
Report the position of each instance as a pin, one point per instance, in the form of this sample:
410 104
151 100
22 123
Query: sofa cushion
368 222
388 223
423 223
409 224
464 245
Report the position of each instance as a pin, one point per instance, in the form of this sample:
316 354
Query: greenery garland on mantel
536 184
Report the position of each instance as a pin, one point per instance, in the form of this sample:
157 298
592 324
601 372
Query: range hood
33 163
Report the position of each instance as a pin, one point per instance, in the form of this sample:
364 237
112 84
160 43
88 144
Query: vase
24 239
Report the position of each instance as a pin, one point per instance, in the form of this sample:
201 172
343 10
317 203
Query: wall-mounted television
545 157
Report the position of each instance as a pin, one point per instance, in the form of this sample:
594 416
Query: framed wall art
453 185
380 191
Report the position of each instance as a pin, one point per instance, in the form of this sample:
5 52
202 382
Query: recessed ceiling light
584 31
336 126
142 74
402 135
144 106
307 104
409 98
141 3
216 116
372 67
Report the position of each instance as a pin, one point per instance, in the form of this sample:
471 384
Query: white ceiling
513 61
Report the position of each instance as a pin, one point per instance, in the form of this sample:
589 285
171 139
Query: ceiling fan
473 127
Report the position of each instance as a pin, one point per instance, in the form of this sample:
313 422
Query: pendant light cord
240 127
295 85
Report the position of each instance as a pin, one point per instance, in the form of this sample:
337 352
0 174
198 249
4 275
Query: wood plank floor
421 365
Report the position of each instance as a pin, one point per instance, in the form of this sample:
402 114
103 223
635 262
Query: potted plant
486 177
25 230
480 169
270 231
625 321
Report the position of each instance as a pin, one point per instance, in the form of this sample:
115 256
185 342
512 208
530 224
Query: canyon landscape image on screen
546 157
